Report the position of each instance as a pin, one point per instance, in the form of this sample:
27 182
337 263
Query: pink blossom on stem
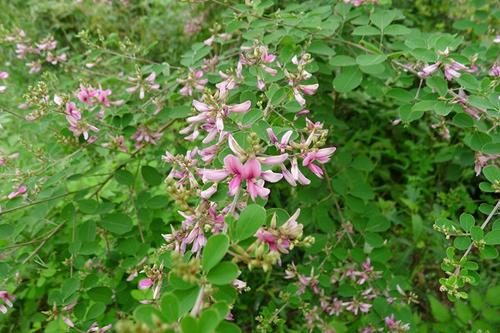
144 135
321 156
428 70
145 284
8 299
193 81
21 189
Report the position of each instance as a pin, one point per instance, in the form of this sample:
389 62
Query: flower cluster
37 53
91 99
363 278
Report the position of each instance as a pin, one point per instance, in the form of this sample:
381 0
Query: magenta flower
281 239
53 59
86 95
453 70
428 70
211 116
21 189
482 161
77 125
194 81
117 142
321 156
145 284
494 71
142 85
7 299
306 89
144 135
250 172
102 96
34 66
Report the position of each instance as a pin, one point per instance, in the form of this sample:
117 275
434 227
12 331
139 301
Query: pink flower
211 116
144 135
102 96
77 125
283 143
321 156
429 70
143 84
35 67
482 161
250 172
193 82
281 238
145 284
495 71
86 95
309 89
4 75
7 299
22 189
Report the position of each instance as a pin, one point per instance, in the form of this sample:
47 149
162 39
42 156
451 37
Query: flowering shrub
293 170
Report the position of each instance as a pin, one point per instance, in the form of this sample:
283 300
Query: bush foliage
249 166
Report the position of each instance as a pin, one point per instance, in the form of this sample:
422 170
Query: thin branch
52 233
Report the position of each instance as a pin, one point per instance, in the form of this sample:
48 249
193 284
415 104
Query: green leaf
170 307
342 60
463 120
476 233
124 177
437 83
209 320
86 232
493 295
251 219
5 231
463 312
117 223
227 327
365 30
223 273
95 310
467 221
144 313
151 175
382 18
101 294
469 82
370 59
157 202
462 242
396 30
349 79
69 287
492 237
88 206
189 325
492 173
214 251
439 311
321 48
363 163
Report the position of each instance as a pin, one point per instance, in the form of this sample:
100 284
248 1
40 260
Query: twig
44 200
52 233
